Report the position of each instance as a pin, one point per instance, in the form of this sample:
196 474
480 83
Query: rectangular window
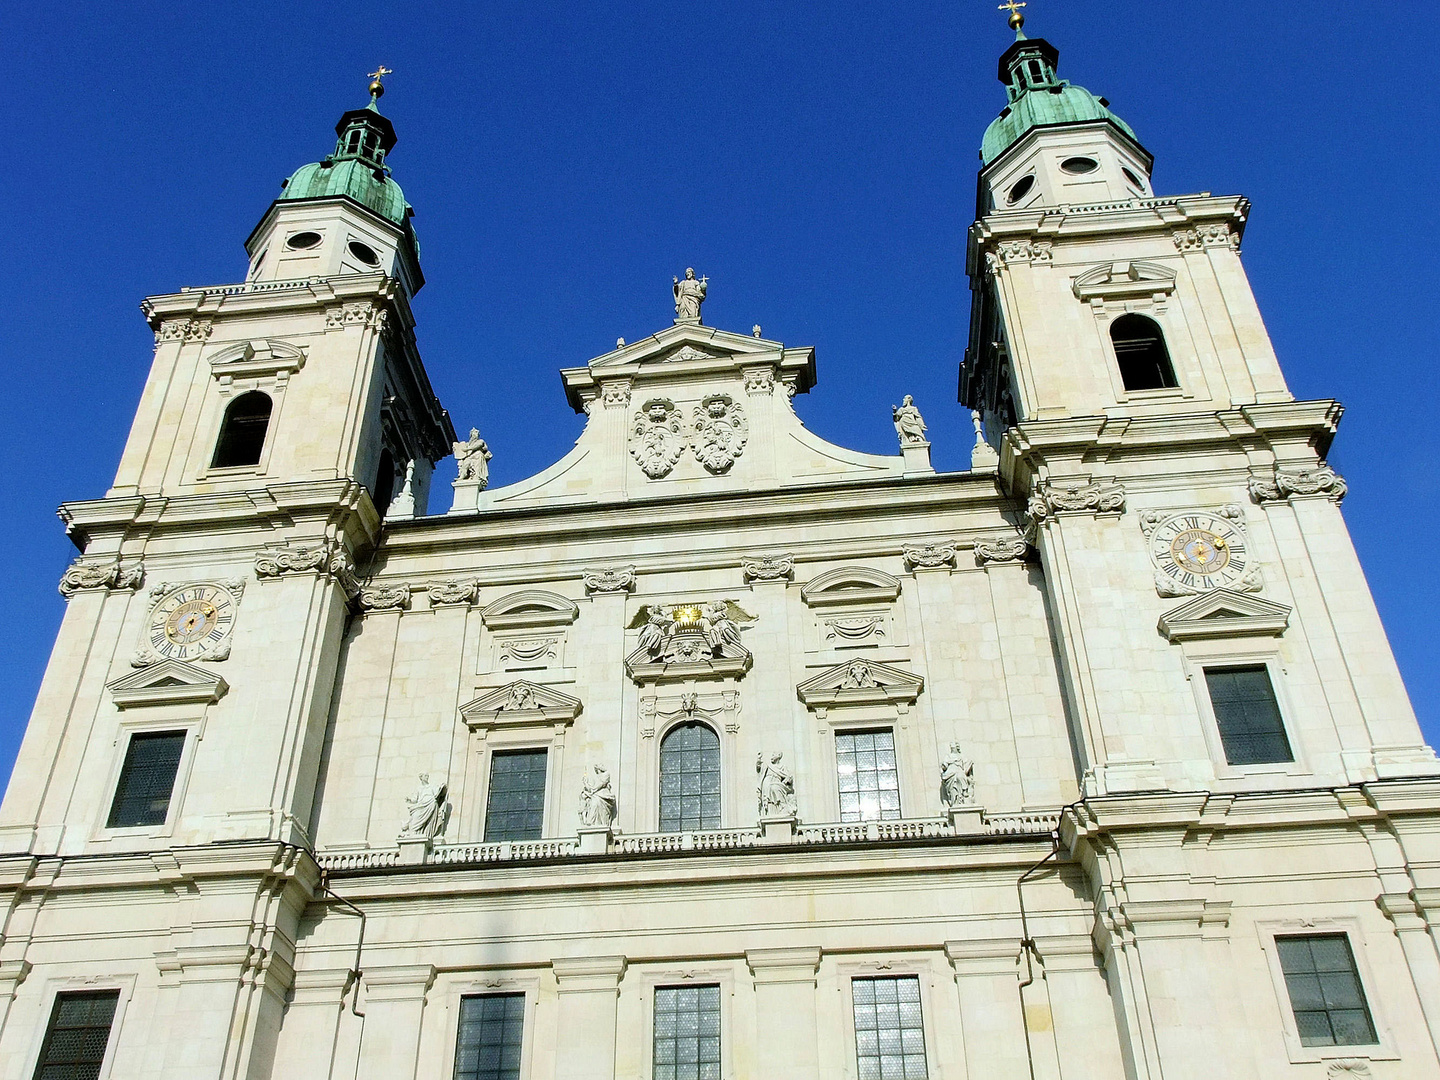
687 1033
79 1031
1325 991
488 1044
889 1034
1248 717
515 803
869 784
147 779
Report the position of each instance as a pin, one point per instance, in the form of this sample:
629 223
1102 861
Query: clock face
192 622
1200 551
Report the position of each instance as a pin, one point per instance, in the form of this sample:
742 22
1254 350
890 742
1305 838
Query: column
786 1034
987 979
312 1021
589 990
394 1007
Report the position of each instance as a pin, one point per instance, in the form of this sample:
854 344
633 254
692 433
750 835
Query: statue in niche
473 457
776 789
425 810
597 799
909 425
689 295
720 629
957 778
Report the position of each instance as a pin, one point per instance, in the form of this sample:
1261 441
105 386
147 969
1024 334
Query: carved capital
1007 549
1048 500
384 597
359 313
615 394
929 556
1321 480
769 567
452 592
759 380
327 560
1013 251
612 579
184 330
1206 236
83 575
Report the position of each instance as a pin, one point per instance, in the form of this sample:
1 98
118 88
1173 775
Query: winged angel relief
721 432
657 440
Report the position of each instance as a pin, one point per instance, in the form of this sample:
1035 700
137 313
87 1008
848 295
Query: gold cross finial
1016 19
377 88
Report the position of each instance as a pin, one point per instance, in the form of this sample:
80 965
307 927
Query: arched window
385 482
689 779
242 435
1140 349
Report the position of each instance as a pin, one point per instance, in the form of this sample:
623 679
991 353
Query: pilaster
589 990
787 1033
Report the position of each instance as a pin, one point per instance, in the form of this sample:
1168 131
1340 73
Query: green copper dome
356 169
1038 98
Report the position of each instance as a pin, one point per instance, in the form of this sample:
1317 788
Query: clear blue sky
817 161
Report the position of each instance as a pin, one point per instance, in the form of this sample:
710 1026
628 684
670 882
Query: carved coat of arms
657 439
721 432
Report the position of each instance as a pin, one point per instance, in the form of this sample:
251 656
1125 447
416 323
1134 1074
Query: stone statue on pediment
597 799
689 295
909 425
425 810
473 457
776 789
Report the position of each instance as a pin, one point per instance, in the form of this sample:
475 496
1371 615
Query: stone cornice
259 860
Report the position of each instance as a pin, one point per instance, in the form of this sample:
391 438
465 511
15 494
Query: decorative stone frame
1268 930
1198 655
1110 291
649 979
846 972
460 986
725 723
498 729
854 608
53 987
239 368
850 724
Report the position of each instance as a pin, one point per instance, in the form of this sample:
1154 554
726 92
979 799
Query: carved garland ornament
1321 480
657 438
100 576
721 432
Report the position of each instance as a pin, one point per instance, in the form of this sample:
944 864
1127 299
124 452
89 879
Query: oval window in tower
364 252
303 241
1020 190
1134 180
1079 166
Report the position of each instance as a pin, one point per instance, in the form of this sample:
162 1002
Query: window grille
690 779
889 1033
1247 715
1325 991
869 783
79 1031
515 803
147 779
687 1033
488 1044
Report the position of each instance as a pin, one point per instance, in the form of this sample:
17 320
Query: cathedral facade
715 750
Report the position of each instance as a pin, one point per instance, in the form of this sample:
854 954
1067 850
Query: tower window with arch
1141 353
242 432
384 481
690 779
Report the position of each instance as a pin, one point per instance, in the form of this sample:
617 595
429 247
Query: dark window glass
79 1031
1140 350
385 482
1020 190
690 779
889 1034
515 803
242 434
869 784
147 779
488 1045
1248 718
1325 992
687 1033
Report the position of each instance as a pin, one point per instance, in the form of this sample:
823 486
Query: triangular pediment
860 682
1130 278
167 682
687 343
520 704
1222 613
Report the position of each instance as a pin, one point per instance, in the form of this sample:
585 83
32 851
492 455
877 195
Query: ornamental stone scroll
327 560
935 556
1321 480
114 575
779 567
612 579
